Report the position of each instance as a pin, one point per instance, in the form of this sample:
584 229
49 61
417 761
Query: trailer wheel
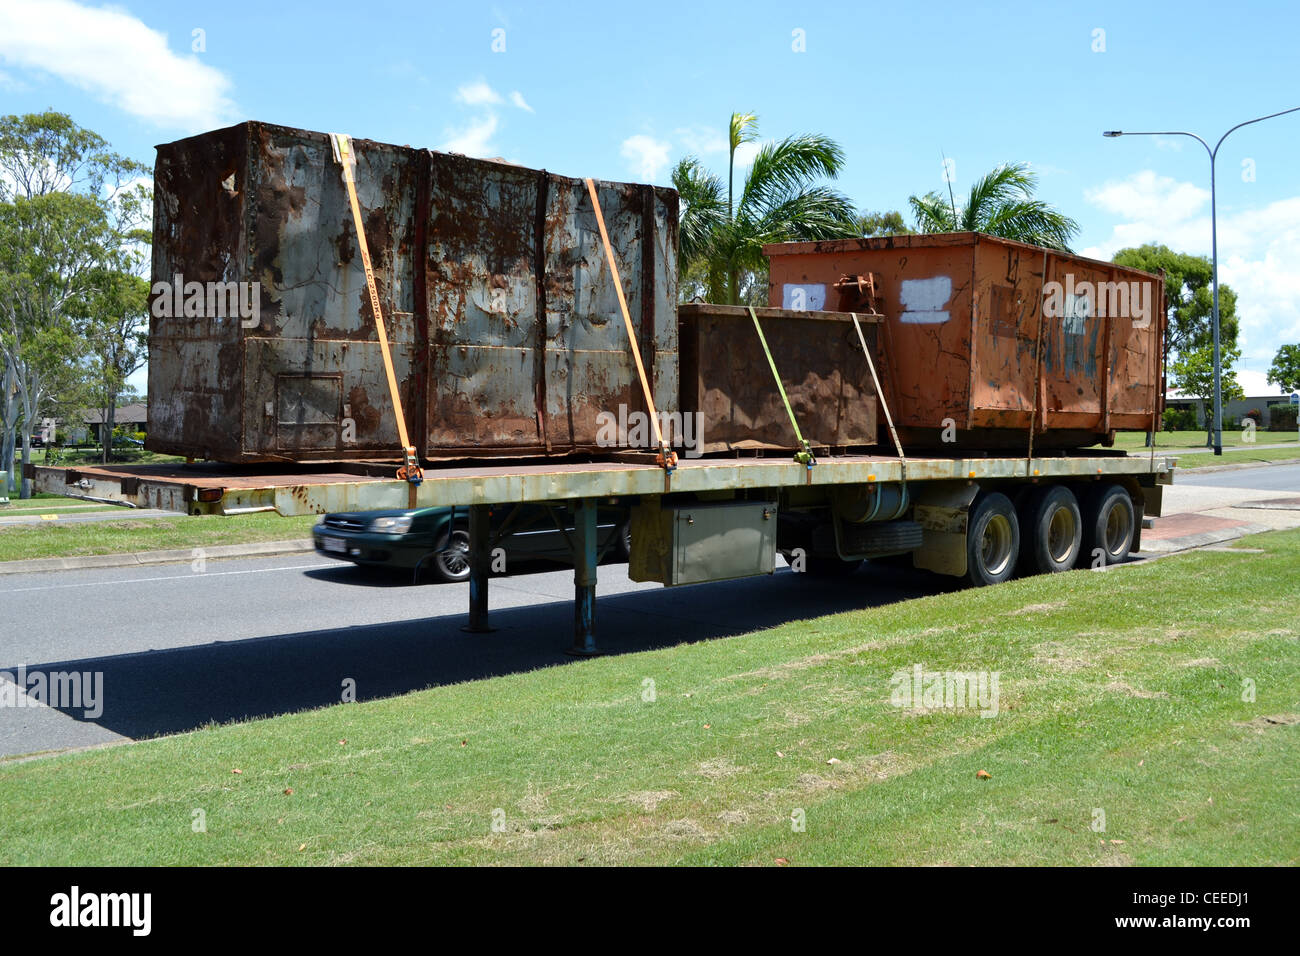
992 540
1109 521
1051 529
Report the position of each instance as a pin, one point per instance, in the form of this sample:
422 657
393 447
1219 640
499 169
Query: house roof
137 413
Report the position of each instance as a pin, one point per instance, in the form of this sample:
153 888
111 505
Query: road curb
140 558
1199 540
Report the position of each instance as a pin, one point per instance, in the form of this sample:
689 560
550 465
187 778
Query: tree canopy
1000 203
783 197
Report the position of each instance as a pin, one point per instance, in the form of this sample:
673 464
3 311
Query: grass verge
1153 695
52 539
1237 456
1232 437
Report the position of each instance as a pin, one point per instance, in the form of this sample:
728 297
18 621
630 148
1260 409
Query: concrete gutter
175 555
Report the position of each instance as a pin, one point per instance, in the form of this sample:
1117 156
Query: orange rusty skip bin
984 336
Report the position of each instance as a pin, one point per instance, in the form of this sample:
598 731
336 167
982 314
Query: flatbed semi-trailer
979 517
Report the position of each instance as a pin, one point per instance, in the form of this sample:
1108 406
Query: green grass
1232 437
53 539
1119 691
1237 456
42 503
91 456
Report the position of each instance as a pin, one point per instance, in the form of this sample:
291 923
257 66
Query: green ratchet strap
805 455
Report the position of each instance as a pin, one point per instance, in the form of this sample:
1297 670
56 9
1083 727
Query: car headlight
398 525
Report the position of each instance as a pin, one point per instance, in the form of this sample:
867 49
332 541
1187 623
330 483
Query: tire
625 541
992 540
1108 523
1051 529
452 564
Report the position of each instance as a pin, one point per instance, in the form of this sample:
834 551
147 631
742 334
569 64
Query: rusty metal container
501 310
983 337
726 378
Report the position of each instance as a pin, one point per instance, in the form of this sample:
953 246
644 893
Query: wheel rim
454 562
1117 529
1060 535
995 544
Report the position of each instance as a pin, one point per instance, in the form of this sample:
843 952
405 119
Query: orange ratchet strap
343 155
666 457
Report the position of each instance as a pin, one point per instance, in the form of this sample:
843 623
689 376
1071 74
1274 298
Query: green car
437 539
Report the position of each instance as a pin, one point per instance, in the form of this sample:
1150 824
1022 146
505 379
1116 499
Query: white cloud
1147 196
474 139
478 93
1259 251
648 156
118 59
518 99
745 154
701 140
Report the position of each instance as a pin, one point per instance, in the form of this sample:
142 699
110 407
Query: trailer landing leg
584 580
479 565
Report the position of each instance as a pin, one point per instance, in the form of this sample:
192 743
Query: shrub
1282 418
1179 420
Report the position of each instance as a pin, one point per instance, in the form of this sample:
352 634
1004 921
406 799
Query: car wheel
452 563
625 541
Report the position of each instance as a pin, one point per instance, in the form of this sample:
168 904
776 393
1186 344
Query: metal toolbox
694 542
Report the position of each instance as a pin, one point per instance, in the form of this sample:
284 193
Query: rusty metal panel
500 308
985 338
726 377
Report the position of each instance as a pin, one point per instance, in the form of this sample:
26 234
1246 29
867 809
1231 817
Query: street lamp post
1214 253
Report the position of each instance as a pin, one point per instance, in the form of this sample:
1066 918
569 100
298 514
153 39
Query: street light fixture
1214 252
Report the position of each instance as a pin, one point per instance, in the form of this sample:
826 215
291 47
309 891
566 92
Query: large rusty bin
984 336
727 381
502 316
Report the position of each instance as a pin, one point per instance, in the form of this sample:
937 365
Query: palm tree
781 199
1000 204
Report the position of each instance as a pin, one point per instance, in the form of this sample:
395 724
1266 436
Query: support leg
479 564
584 580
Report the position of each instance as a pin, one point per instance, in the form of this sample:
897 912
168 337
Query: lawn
1232 438
42 503
1146 714
1237 456
52 539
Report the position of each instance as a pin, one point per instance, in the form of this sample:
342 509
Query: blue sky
621 91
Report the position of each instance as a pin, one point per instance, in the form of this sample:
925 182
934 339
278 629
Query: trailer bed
207 488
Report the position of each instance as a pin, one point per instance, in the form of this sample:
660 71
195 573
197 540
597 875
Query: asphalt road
1264 478
248 638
